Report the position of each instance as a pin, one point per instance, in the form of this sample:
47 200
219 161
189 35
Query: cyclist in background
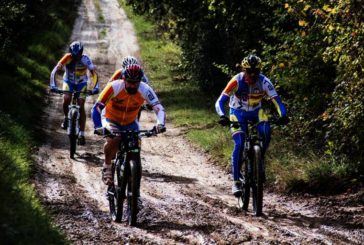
126 61
245 92
75 65
117 109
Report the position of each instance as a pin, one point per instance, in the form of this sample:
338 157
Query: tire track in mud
186 199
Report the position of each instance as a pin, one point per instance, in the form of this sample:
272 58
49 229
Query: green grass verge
288 168
24 77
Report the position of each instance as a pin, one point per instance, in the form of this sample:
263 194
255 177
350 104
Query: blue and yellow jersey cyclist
245 92
75 65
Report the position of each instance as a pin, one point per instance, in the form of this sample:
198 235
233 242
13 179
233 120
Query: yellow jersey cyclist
245 92
75 65
117 109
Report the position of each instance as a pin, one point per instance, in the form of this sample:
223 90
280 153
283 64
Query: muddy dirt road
186 200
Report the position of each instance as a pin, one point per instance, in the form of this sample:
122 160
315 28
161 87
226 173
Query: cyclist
75 64
118 74
127 60
245 92
117 109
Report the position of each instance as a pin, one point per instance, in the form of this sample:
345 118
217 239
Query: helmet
76 48
129 60
251 62
133 73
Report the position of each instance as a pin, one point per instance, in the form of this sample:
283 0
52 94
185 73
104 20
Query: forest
312 51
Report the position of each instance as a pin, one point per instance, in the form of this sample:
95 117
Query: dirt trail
185 198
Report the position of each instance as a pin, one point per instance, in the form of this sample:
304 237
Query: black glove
283 120
94 91
160 129
54 89
224 121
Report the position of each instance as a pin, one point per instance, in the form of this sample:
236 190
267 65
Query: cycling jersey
75 72
118 74
248 97
122 107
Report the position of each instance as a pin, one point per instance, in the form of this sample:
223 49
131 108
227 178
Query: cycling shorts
68 86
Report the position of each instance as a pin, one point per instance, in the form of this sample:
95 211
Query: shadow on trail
157 227
159 177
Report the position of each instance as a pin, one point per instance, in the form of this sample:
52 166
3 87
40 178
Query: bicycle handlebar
142 133
236 124
87 92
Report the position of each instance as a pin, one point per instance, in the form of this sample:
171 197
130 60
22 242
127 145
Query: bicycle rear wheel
133 190
257 186
72 132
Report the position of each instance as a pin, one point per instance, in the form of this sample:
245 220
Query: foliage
32 33
312 50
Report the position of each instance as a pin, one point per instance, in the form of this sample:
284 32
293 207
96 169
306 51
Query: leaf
302 23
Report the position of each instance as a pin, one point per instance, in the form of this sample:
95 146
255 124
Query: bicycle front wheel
133 190
258 181
116 193
72 132
244 199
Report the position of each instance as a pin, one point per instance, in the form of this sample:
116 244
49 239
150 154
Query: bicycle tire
133 190
246 188
117 196
257 187
72 133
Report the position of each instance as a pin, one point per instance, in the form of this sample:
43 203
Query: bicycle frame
128 169
73 127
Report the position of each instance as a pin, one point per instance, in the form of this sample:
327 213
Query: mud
186 199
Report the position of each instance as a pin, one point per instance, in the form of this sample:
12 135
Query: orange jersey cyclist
75 65
117 109
245 92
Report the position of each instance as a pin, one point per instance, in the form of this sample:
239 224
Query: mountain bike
252 168
73 126
127 172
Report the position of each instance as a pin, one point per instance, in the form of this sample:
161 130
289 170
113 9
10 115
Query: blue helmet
76 49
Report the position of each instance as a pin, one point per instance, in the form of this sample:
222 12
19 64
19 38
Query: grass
289 168
23 220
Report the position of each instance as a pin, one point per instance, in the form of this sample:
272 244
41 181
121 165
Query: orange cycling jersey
122 107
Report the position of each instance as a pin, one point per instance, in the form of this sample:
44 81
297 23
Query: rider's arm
271 92
61 63
152 99
117 75
230 88
281 109
105 96
91 67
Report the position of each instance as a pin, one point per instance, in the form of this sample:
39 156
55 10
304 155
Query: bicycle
127 173
73 125
252 168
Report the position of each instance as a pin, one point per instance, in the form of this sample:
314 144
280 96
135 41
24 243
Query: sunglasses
252 70
132 81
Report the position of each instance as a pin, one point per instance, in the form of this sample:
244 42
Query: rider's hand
160 129
54 89
95 91
99 131
224 121
283 120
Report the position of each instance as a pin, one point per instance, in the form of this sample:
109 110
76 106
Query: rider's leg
66 103
110 149
264 129
238 135
81 103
